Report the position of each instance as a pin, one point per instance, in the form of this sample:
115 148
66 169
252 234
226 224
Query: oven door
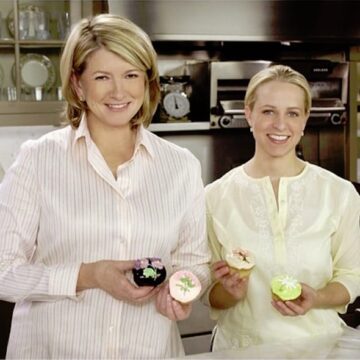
232 115
327 116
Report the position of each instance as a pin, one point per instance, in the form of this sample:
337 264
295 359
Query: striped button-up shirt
60 206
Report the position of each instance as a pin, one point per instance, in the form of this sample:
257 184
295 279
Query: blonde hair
123 38
280 73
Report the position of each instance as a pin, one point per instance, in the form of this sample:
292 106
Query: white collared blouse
311 231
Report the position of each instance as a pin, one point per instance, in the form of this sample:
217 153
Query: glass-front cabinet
32 34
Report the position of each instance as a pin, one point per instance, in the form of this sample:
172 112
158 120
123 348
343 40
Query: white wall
12 137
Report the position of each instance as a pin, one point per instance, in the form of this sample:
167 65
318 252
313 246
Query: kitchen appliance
185 90
328 82
324 140
175 105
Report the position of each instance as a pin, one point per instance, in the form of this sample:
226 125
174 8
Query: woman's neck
115 144
274 168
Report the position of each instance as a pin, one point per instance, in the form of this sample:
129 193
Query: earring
302 133
251 129
81 99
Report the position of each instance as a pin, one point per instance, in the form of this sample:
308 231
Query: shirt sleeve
215 249
21 278
192 250
346 246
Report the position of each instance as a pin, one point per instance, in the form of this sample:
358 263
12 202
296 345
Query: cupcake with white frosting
241 261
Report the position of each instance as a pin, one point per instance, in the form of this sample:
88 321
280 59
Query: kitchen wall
12 137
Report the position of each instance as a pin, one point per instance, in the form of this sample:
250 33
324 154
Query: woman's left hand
169 307
299 306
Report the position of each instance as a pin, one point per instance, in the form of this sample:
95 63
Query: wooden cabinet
353 134
31 39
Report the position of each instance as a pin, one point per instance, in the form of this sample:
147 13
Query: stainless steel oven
229 80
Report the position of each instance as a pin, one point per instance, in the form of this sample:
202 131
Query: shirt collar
142 136
82 130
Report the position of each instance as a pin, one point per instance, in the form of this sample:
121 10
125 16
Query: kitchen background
207 50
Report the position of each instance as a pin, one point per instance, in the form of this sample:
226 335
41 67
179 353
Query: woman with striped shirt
82 203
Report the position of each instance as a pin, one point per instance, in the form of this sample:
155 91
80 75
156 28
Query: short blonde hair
123 38
280 73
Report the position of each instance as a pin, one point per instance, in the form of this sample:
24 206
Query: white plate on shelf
36 70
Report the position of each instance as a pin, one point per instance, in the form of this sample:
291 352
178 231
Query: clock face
176 104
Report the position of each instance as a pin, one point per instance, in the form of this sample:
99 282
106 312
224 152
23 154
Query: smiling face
113 90
277 118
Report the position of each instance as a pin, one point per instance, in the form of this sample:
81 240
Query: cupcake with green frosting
285 287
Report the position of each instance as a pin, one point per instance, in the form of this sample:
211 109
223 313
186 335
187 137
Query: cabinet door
32 35
7 52
353 134
357 145
7 86
42 29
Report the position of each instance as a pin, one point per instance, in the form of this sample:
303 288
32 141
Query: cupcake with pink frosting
184 286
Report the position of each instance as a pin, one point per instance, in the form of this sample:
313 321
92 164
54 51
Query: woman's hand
300 306
169 307
109 275
235 285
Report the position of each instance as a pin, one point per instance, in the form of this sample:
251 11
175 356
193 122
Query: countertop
346 346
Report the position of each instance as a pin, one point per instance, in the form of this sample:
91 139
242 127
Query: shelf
6 42
42 43
34 107
14 113
187 126
17 113
31 119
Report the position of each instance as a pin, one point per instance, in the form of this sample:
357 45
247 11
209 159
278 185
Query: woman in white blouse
80 204
295 217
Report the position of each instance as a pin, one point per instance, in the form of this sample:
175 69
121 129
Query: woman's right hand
109 275
232 283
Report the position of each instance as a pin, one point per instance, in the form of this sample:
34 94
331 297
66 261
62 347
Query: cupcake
285 287
184 286
149 272
240 261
